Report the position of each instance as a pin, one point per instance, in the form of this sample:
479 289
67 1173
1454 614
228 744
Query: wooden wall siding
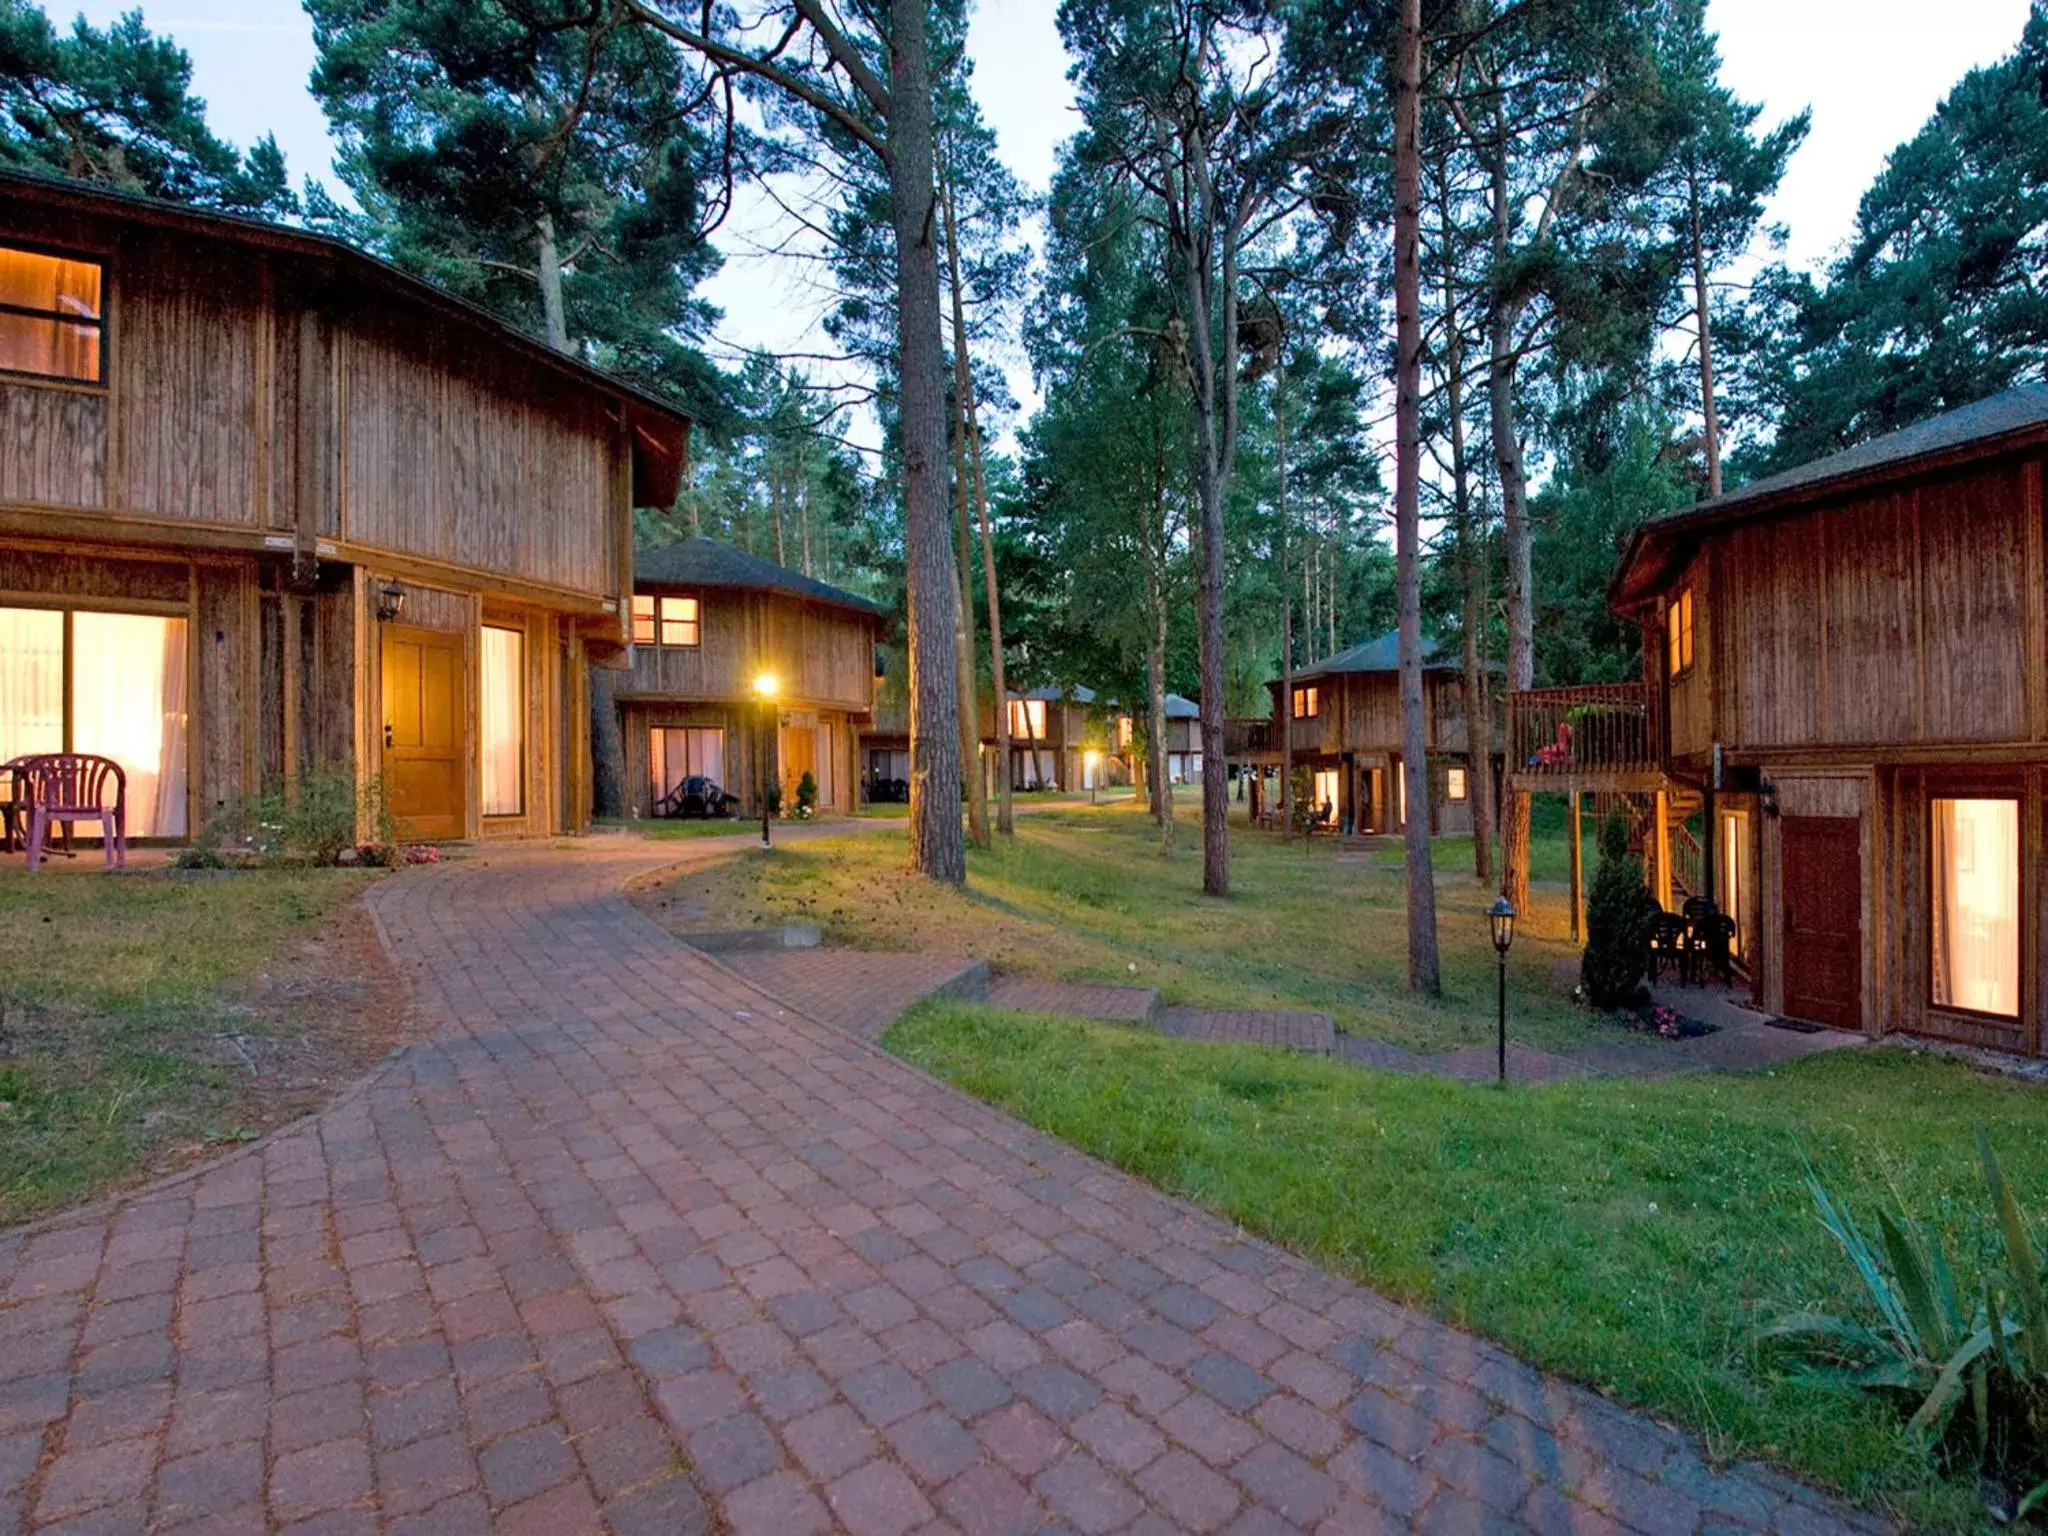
462 455
225 703
184 360
1973 553
1775 579
820 654
334 742
1689 700
55 445
92 579
430 607
1873 621
273 665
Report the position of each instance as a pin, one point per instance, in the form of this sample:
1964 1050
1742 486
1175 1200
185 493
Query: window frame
1022 724
651 628
1679 648
99 323
1457 784
1934 795
521 716
1307 703
694 623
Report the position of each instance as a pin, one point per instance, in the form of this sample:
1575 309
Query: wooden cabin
268 505
1344 716
1847 664
1067 738
709 622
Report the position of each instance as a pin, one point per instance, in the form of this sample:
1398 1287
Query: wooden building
709 621
1066 738
268 505
1344 714
1848 666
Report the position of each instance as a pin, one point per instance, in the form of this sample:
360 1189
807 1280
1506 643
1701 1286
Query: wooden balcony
1602 737
1250 739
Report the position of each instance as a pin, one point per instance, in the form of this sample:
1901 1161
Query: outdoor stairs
1293 1031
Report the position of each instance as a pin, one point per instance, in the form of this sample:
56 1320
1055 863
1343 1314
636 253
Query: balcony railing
1608 729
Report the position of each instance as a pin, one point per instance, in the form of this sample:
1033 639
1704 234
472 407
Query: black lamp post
1502 919
765 688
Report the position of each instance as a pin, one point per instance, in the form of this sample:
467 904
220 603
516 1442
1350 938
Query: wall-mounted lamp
390 601
1767 793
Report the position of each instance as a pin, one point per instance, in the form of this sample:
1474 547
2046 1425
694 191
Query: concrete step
860 991
1074 999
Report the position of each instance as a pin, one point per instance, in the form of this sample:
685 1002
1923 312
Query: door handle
388 741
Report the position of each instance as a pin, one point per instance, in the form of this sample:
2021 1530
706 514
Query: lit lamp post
1093 759
765 688
1502 917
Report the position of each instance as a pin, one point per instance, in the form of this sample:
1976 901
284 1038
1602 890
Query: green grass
113 995
1081 894
1632 1235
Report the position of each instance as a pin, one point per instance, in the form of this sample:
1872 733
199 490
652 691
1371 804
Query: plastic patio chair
70 787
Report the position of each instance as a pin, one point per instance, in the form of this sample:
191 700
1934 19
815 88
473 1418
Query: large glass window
1976 917
503 719
1454 784
50 318
109 684
1678 633
679 621
643 620
678 751
1308 703
1733 871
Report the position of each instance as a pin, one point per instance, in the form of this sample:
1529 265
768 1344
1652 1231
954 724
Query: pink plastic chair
72 787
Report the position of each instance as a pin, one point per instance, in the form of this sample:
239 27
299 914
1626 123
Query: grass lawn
1633 1235
1081 894
142 1017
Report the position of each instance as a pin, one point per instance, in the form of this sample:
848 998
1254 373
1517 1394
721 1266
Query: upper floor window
1678 633
51 324
1027 718
674 621
1308 703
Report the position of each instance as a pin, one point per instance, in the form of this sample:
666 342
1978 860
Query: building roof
1382 653
713 563
1178 708
1977 430
660 428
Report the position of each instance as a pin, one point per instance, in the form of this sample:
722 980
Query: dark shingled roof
1178 708
1380 654
710 563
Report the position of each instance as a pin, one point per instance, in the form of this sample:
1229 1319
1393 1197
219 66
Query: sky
1871 71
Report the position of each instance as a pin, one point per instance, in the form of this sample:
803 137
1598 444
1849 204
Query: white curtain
1977 905
128 703
503 718
31 682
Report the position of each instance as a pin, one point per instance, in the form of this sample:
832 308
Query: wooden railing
1566 733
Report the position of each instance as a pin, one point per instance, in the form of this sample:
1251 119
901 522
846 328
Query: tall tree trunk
1005 803
803 501
1422 954
1286 607
778 493
1514 506
1709 416
963 429
548 263
937 846
1153 539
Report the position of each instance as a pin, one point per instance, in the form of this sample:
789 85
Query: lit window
50 319
1976 896
1678 633
1027 718
643 620
1733 873
1308 703
503 718
1324 803
679 621
1454 783
1123 733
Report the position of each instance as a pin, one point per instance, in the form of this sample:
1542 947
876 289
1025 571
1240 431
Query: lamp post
765 689
1502 919
1093 759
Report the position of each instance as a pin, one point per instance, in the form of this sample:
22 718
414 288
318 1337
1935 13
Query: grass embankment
147 1016
1082 894
1633 1235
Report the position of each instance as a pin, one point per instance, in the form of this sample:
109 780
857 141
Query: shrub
1934 1345
806 796
1620 915
313 824
773 796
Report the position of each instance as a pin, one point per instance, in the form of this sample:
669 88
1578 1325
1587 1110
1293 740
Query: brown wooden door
426 711
1822 858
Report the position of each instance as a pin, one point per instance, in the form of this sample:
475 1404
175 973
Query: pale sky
1870 70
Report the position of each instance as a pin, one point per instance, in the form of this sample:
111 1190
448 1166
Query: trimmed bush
1620 915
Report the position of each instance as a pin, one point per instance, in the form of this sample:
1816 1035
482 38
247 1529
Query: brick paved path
615 1219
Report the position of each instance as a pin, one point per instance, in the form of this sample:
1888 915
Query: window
1027 718
678 751
1454 784
1308 703
1123 733
112 684
50 319
679 621
1976 898
1733 872
1324 793
503 720
643 619
1678 632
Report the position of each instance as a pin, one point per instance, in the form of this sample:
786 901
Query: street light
1502 918
765 689
1093 759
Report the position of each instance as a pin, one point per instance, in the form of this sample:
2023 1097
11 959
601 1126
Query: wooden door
1822 859
426 778
796 748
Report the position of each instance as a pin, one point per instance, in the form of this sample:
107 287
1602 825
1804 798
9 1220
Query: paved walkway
615 1242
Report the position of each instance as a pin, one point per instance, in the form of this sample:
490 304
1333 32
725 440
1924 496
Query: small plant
806 796
1665 1023
317 821
1934 1345
1620 914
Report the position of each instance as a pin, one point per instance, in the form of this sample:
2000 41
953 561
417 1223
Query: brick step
1311 1032
860 991
1074 999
